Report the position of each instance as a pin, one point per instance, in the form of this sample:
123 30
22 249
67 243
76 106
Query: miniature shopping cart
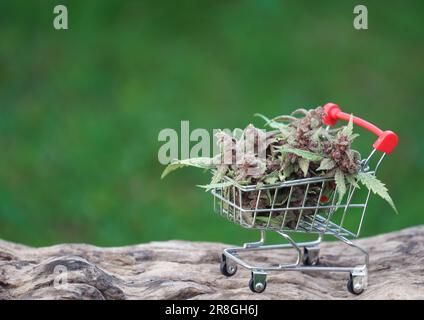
343 220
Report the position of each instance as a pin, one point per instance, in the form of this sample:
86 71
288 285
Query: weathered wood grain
190 270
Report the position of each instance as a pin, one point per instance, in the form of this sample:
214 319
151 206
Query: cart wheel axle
227 269
311 256
356 284
257 282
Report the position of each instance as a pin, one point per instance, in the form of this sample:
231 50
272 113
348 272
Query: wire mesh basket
304 205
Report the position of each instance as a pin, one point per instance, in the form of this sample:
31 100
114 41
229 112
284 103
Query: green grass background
80 110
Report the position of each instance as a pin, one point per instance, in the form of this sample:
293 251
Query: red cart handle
387 140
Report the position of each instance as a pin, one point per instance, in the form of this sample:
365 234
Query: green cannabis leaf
326 164
341 185
271 178
301 153
369 180
211 186
219 173
202 162
348 130
304 166
352 180
268 122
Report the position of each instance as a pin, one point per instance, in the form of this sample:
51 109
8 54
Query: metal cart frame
320 219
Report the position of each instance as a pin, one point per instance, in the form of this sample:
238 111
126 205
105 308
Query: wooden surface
190 270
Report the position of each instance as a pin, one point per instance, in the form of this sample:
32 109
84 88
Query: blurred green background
80 110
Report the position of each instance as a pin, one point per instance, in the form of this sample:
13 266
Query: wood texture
190 270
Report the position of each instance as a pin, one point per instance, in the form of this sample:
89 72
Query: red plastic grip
387 140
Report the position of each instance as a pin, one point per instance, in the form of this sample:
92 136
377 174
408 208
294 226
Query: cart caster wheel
310 256
257 283
227 269
354 285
